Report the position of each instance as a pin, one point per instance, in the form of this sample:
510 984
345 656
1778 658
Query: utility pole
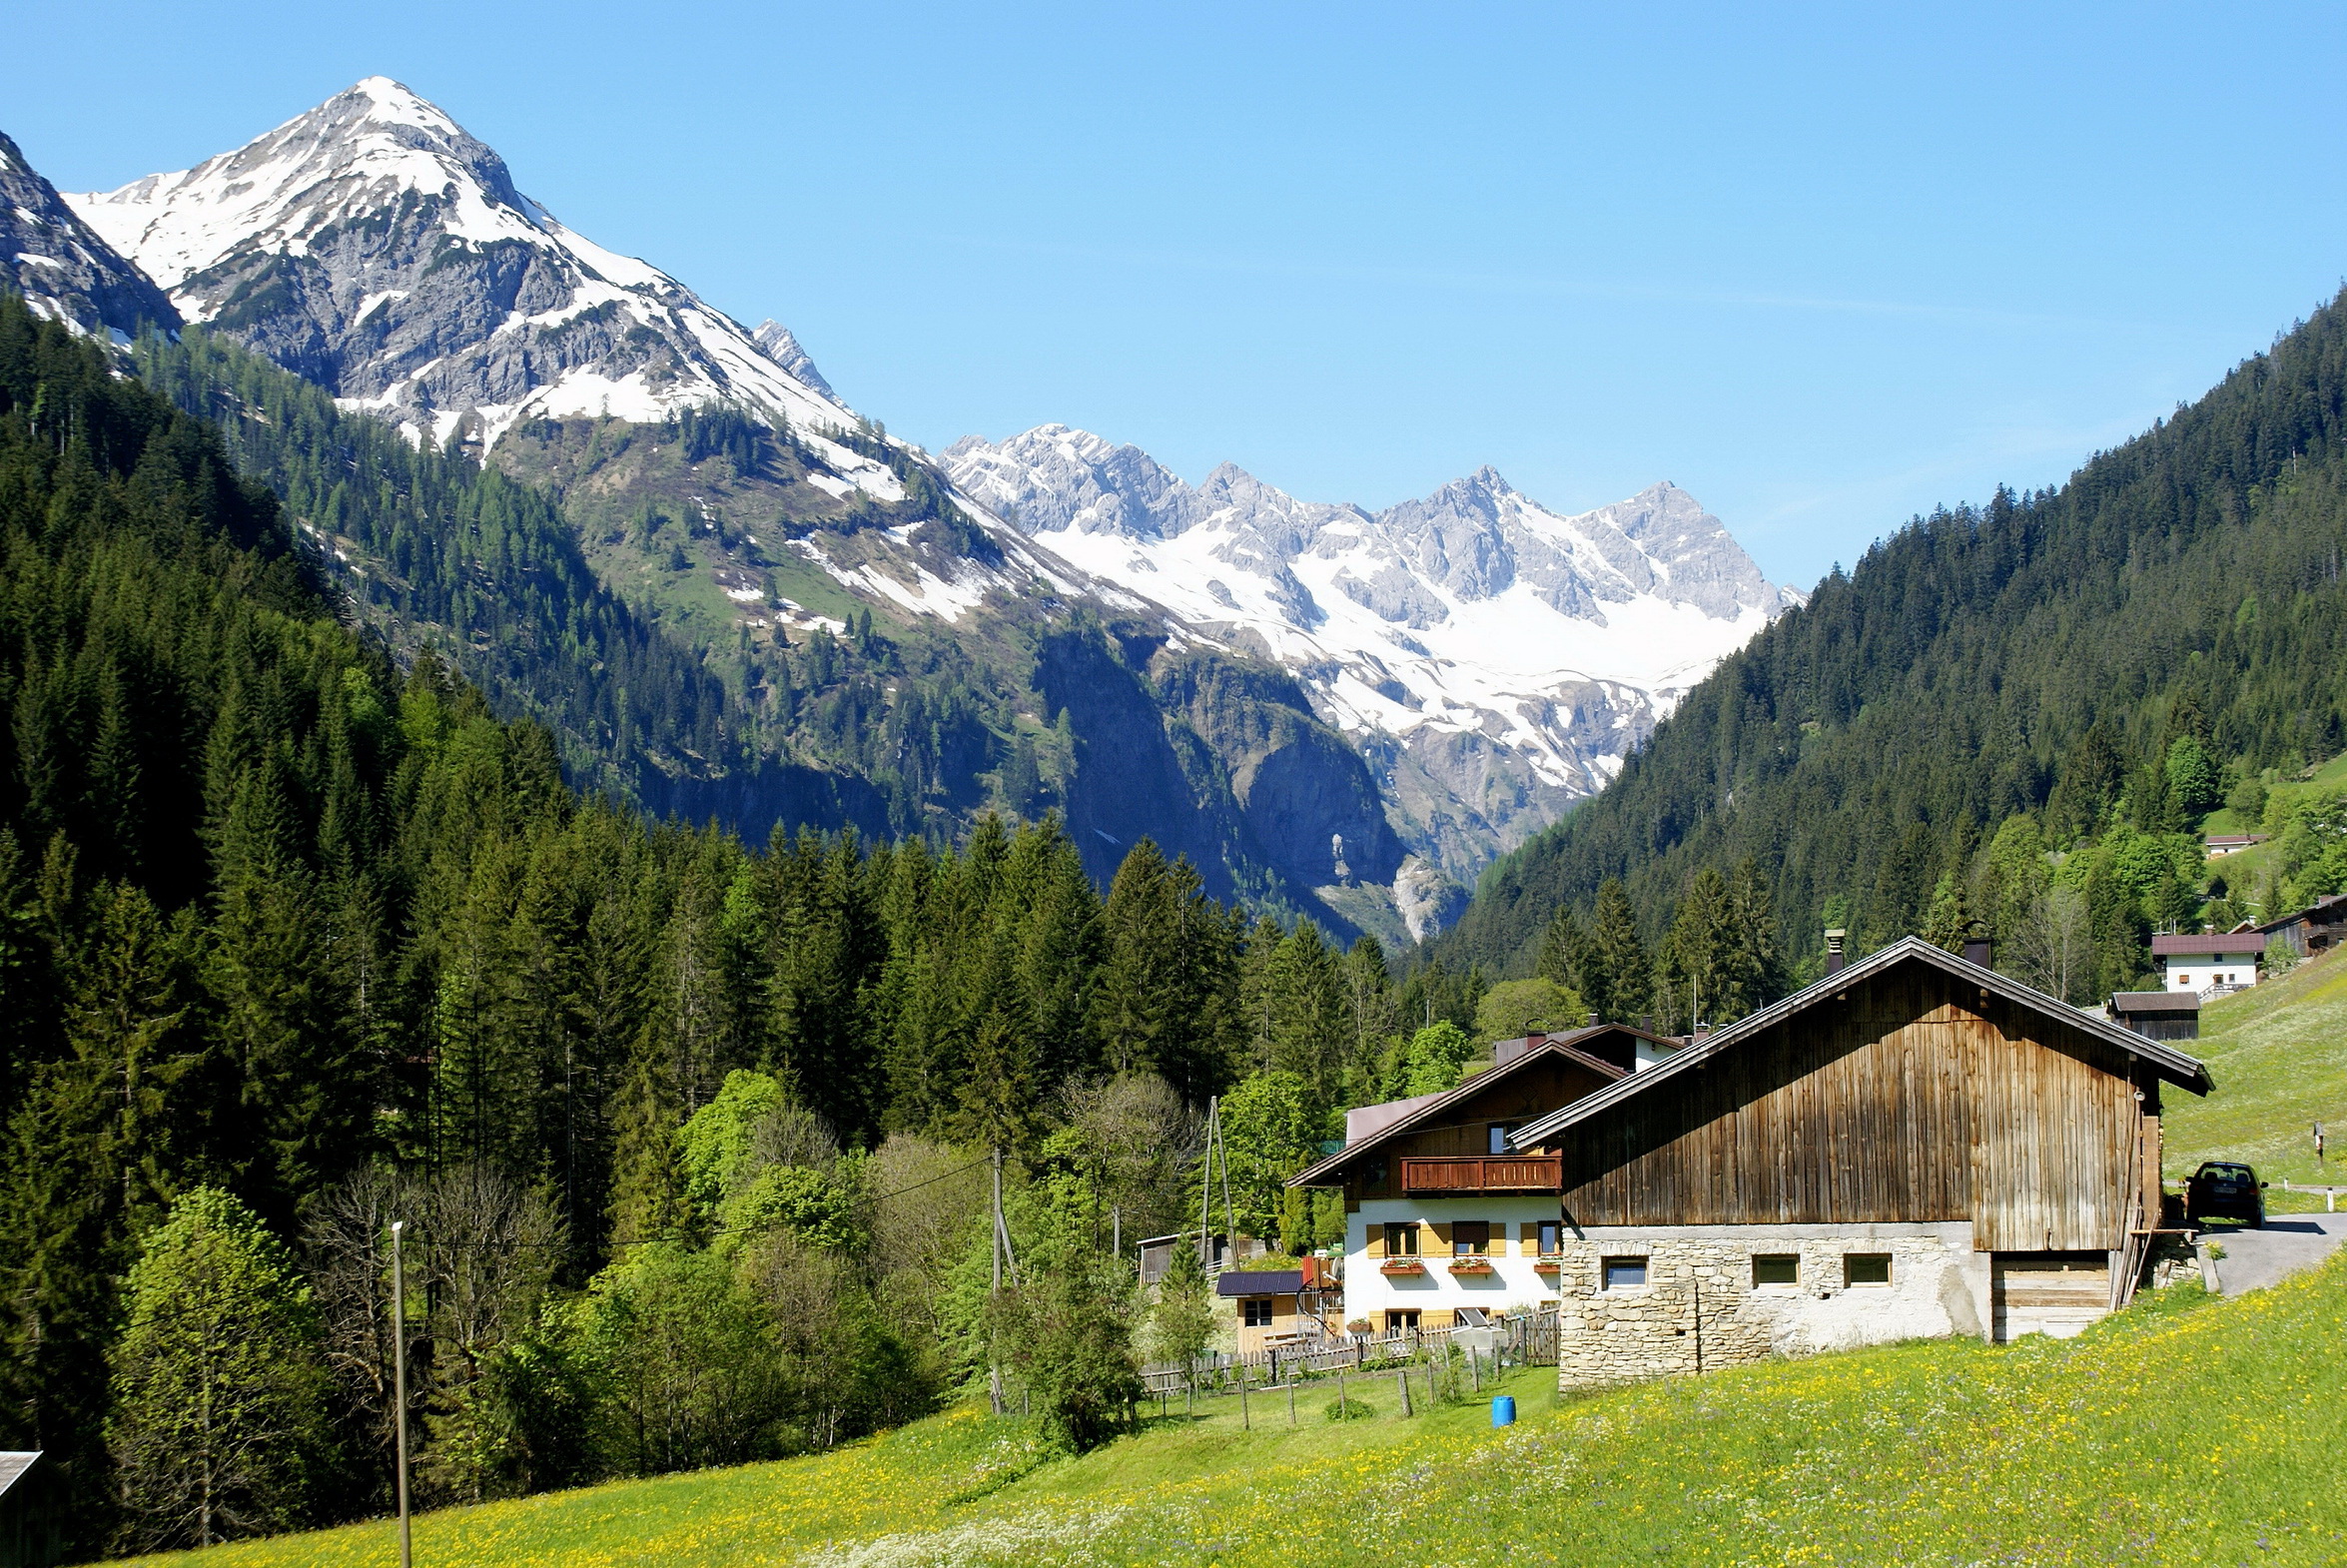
399 1383
1205 1192
994 1370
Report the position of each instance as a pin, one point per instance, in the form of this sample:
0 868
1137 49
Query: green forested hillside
618 592
2093 668
688 1135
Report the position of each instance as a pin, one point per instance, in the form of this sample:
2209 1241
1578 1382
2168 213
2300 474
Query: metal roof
1555 1044
2155 1001
14 1463
2195 947
2172 1064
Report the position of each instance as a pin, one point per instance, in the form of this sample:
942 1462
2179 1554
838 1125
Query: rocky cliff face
62 266
378 248
1493 660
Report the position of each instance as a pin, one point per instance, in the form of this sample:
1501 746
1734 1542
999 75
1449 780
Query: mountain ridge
1471 641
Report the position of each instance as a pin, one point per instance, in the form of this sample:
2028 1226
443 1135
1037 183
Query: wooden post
1292 1398
1344 1412
1402 1381
399 1383
1247 1423
1475 1370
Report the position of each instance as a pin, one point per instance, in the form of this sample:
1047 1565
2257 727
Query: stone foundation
1700 1308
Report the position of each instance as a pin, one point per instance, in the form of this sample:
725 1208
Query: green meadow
2184 1430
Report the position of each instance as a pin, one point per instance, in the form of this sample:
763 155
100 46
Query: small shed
31 1533
2157 1015
1269 1303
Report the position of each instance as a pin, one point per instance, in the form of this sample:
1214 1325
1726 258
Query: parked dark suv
2221 1189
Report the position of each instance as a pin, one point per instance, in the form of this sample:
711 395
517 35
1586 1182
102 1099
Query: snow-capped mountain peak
377 246
1485 649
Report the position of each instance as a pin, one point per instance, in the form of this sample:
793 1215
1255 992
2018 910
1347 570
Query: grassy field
2182 1431
2278 1053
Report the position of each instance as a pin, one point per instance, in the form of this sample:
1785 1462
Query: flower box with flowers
1549 1263
1401 1266
1472 1263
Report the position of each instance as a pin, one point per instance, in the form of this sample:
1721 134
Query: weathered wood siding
1525 1094
1914 1098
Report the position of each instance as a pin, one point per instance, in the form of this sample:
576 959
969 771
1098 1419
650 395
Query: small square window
1625 1273
1470 1237
1775 1269
1552 1237
1255 1311
1401 1241
1498 1133
1866 1269
1397 1320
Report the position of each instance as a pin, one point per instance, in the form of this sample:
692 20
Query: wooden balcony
1481 1174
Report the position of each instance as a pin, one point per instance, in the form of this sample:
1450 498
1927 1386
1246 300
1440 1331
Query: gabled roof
2171 1063
1430 1112
2155 1002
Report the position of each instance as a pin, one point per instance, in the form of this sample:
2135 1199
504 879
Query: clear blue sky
1824 267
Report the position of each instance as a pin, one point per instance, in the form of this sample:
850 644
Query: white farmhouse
2204 964
1446 1221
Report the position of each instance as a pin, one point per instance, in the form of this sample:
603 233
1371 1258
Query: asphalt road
2288 1242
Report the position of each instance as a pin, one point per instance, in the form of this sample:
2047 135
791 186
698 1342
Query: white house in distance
1446 1221
2203 964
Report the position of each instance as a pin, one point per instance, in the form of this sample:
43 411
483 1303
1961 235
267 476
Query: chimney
1978 951
1833 959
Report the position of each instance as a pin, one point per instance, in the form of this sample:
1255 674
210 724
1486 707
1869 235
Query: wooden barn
1914 1146
1444 1220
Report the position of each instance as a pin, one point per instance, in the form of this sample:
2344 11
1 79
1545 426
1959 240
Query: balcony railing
1481 1174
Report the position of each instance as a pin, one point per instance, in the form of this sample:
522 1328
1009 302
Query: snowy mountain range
1495 660
1486 661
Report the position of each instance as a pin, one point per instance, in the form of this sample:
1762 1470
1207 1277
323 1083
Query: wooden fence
1524 1339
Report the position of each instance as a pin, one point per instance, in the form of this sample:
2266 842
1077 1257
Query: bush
1350 1411
1067 1337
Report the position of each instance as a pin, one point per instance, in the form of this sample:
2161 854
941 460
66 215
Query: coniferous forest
2009 720
689 1137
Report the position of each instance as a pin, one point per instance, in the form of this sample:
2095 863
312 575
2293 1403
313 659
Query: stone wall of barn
1700 1308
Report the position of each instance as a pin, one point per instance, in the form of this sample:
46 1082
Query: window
1625 1273
1470 1236
1255 1311
1498 1133
1866 1269
1552 1237
2183 980
1401 1241
1395 1321
1775 1269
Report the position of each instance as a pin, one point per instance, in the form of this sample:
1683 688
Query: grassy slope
2278 1053
2182 1432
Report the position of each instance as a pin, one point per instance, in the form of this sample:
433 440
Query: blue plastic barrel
1503 1409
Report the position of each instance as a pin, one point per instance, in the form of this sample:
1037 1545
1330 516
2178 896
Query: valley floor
2183 1431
